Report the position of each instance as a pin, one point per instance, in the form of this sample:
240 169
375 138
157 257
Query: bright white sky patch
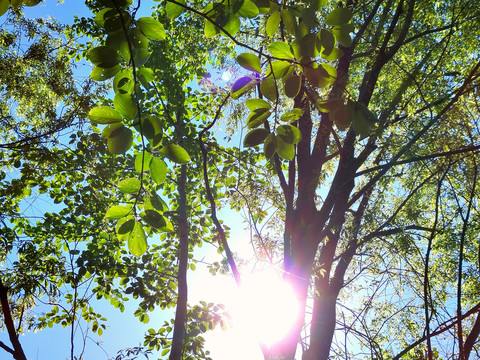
226 76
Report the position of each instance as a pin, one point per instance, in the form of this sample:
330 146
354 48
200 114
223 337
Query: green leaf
124 104
342 34
154 219
151 28
292 115
241 86
269 146
210 30
146 76
289 134
335 54
120 140
142 157
103 56
278 68
254 104
289 21
117 212
292 85
248 9
317 77
249 62
3 6
129 186
268 88
255 137
281 50
341 115
16 3
257 118
285 150
102 74
272 23
338 16
174 10
232 26
104 115
325 41
137 240
175 153
141 56
124 227
123 82
158 170
107 131
158 203
152 130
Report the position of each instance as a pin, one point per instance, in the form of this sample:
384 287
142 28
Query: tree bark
7 317
181 312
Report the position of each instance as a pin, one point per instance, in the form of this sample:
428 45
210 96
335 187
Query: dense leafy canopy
367 118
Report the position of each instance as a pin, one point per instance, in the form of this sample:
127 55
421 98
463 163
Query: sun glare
266 306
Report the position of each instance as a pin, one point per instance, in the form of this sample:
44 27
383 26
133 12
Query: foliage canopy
361 133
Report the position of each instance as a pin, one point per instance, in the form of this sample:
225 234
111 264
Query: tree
367 114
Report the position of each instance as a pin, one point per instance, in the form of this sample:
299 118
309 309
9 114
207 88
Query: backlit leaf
249 62
158 170
104 115
255 137
137 240
102 74
129 186
281 50
143 157
268 88
289 21
292 85
120 140
117 212
272 23
174 10
103 56
151 28
248 9
285 150
339 16
154 219
254 104
289 134
124 104
175 153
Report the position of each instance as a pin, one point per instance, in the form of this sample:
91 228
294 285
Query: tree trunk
181 311
7 317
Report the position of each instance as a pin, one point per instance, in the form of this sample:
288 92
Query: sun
266 306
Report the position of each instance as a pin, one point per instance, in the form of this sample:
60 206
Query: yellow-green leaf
137 240
151 28
175 153
117 212
272 23
158 170
249 62
104 115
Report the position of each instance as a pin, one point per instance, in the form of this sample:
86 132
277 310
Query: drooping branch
213 206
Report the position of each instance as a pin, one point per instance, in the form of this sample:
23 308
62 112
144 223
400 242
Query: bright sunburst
266 306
